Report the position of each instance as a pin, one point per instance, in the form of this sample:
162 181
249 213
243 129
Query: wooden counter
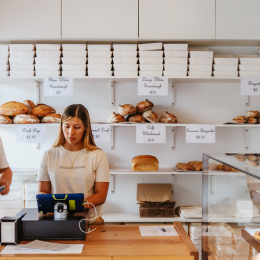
124 242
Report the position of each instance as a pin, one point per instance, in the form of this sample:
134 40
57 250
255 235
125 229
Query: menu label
101 133
200 134
31 133
152 86
58 86
151 133
250 86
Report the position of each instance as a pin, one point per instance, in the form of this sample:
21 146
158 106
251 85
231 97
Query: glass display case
230 206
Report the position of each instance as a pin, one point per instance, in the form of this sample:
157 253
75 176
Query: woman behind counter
75 164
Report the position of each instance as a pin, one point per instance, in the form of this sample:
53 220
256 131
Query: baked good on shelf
213 167
251 157
143 106
42 110
30 104
220 167
196 164
257 236
252 113
168 118
150 116
240 158
257 257
126 110
185 166
252 163
5 120
145 163
115 118
52 118
26 119
239 120
251 120
135 119
13 108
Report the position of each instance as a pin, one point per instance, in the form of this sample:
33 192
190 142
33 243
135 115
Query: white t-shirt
89 167
3 161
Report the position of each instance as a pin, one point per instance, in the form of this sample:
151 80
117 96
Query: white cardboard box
151 54
74 54
100 54
21 61
48 54
99 47
126 67
175 60
17 185
71 73
198 74
4 47
48 47
47 60
207 67
47 73
13 195
217 67
176 47
31 204
4 54
151 73
122 73
31 186
100 60
176 54
74 60
21 74
150 60
200 61
125 60
176 67
201 54
9 212
125 47
223 74
249 59
11 204
125 54
96 73
4 61
74 47
4 73
21 47
22 67
196 241
249 67
22 54
249 74
99 67
74 67
150 46
4 67
172 73
225 60
47 67
30 195
153 67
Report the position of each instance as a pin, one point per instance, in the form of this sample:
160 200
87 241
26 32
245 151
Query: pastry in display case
252 117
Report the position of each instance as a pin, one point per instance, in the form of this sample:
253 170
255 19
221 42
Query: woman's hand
5 180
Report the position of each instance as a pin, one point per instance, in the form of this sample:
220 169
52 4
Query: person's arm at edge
6 176
44 187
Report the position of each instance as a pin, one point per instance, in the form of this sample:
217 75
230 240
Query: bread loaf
252 113
168 118
115 118
5 120
150 116
42 110
135 119
145 163
52 118
126 110
143 106
26 119
29 104
13 108
239 120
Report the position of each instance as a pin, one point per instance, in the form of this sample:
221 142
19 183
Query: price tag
250 86
31 133
151 133
200 134
152 86
58 86
101 133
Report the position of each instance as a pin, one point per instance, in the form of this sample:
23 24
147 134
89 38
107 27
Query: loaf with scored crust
13 108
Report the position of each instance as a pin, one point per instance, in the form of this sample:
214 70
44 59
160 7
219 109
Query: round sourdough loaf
252 113
5 120
42 110
135 119
13 108
251 120
30 104
150 116
26 119
168 118
52 118
145 163
126 110
239 120
115 118
143 106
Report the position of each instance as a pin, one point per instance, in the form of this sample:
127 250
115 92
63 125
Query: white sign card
250 86
31 133
58 86
152 86
101 133
200 134
150 133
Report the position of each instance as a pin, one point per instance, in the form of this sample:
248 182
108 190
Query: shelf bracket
173 139
172 182
172 95
111 137
112 183
246 137
37 101
112 90
212 184
246 100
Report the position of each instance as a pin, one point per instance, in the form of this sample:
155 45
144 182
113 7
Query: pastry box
99 47
147 54
150 46
151 66
74 54
200 61
125 67
22 54
21 47
47 73
47 67
175 67
100 54
100 60
48 47
223 74
21 73
99 67
243 67
176 47
13 204
22 67
21 61
225 67
73 67
150 73
125 47
249 74
225 59
122 73
249 59
74 47
4 73
71 73
47 61
150 60
125 60
196 67
177 54
170 60
48 54
125 54
3 61
96 73
201 54
200 73
4 67
70 60
4 47
172 73
4 54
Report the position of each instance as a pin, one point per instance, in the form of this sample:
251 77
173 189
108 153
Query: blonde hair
81 112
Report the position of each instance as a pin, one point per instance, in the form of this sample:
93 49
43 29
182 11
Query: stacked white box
200 63
100 60
151 59
4 62
176 60
195 233
125 60
21 60
225 66
249 66
47 62
31 190
74 60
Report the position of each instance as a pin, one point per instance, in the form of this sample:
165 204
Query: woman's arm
99 196
44 187
5 180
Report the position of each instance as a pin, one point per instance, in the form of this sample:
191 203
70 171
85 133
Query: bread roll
26 119
29 104
13 108
239 120
185 167
52 118
145 163
115 118
252 113
240 158
126 110
150 116
168 118
143 106
252 163
135 119
5 120
196 164
42 110
251 120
